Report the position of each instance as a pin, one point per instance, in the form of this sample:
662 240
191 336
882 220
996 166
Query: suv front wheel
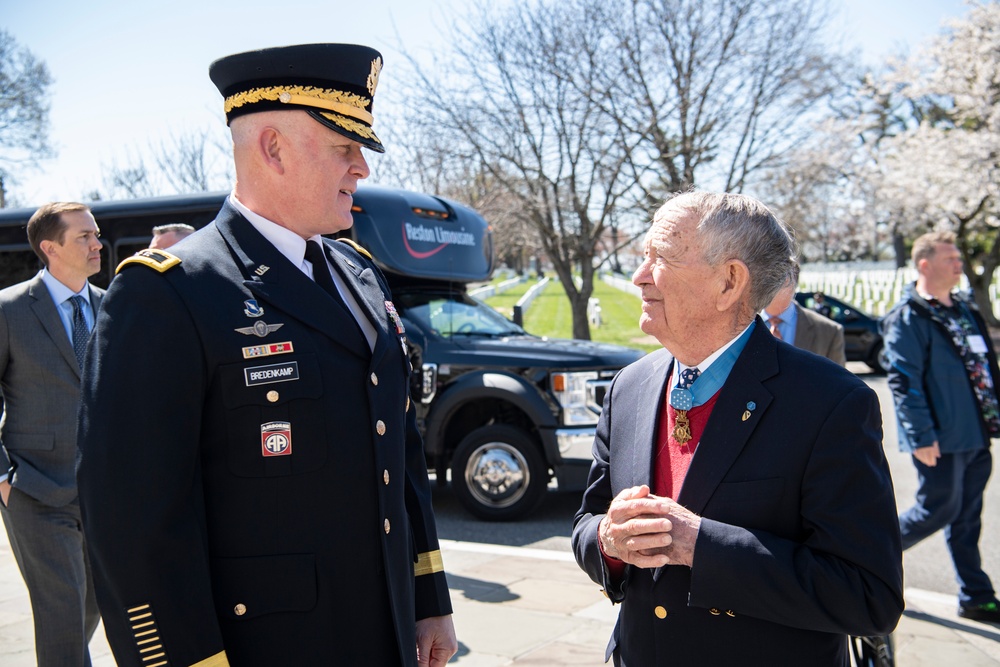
498 473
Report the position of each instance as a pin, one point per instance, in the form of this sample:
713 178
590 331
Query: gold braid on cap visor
341 103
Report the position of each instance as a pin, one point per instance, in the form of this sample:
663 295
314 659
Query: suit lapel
45 310
272 278
651 391
96 298
805 331
727 431
365 288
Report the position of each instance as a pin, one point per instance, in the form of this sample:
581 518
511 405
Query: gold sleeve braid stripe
217 660
147 636
346 104
428 562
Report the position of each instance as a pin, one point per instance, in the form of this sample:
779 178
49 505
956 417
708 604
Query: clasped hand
648 531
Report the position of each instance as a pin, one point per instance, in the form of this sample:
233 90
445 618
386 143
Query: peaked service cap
333 83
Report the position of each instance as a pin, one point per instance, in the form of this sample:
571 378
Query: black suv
862 339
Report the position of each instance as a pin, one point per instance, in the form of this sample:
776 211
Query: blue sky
127 73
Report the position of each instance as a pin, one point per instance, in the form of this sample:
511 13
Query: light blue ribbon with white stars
709 382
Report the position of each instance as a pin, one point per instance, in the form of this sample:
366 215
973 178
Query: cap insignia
373 76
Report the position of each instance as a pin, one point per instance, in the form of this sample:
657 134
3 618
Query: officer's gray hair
734 226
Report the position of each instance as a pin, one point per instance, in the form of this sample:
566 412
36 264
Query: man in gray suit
802 327
44 326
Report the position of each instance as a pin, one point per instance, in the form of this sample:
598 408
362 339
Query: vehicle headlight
578 395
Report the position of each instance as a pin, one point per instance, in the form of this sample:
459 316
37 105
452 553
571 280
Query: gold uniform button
386 524
240 609
272 396
660 612
374 379
385 477
730 613
380 427
714 612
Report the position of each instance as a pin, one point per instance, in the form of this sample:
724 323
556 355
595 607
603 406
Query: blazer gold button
272 396
386 526
660 612
385 477
374 379
730 613
240 609
714 612
380 427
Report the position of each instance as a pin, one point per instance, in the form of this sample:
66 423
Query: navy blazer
253 483
799 543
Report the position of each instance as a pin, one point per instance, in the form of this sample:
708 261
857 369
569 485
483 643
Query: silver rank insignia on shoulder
260 329
253 309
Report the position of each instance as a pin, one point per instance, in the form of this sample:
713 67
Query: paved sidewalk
532 606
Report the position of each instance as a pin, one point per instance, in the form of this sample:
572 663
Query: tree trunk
899 248
980 284
581 323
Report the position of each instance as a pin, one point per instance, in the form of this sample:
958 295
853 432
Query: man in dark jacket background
943 375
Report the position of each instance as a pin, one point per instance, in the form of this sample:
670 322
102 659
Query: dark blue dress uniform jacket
205 550
799 543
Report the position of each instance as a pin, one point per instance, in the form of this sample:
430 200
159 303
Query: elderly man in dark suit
44 326
805 329
254 485
739 507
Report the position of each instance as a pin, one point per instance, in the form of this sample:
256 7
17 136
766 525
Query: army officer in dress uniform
253 485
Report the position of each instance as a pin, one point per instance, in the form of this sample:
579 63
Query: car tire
498 474
879 360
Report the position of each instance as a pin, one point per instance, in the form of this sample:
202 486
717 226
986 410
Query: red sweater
671 459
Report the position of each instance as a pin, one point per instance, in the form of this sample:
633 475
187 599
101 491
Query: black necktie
80 330
321 274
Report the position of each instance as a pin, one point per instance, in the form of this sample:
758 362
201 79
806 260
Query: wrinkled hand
436 641
648 531
928 455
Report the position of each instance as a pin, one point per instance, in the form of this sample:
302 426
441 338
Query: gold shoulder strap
357 247
159 260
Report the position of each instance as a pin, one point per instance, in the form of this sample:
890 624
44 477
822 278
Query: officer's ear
269 145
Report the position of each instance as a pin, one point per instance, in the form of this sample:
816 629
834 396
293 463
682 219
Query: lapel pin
261 270
751 406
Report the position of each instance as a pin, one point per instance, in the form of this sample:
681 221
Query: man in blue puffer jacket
943 376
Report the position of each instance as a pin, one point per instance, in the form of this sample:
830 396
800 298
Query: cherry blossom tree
943 170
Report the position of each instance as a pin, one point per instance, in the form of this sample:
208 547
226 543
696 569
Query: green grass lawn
550 314
504 303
